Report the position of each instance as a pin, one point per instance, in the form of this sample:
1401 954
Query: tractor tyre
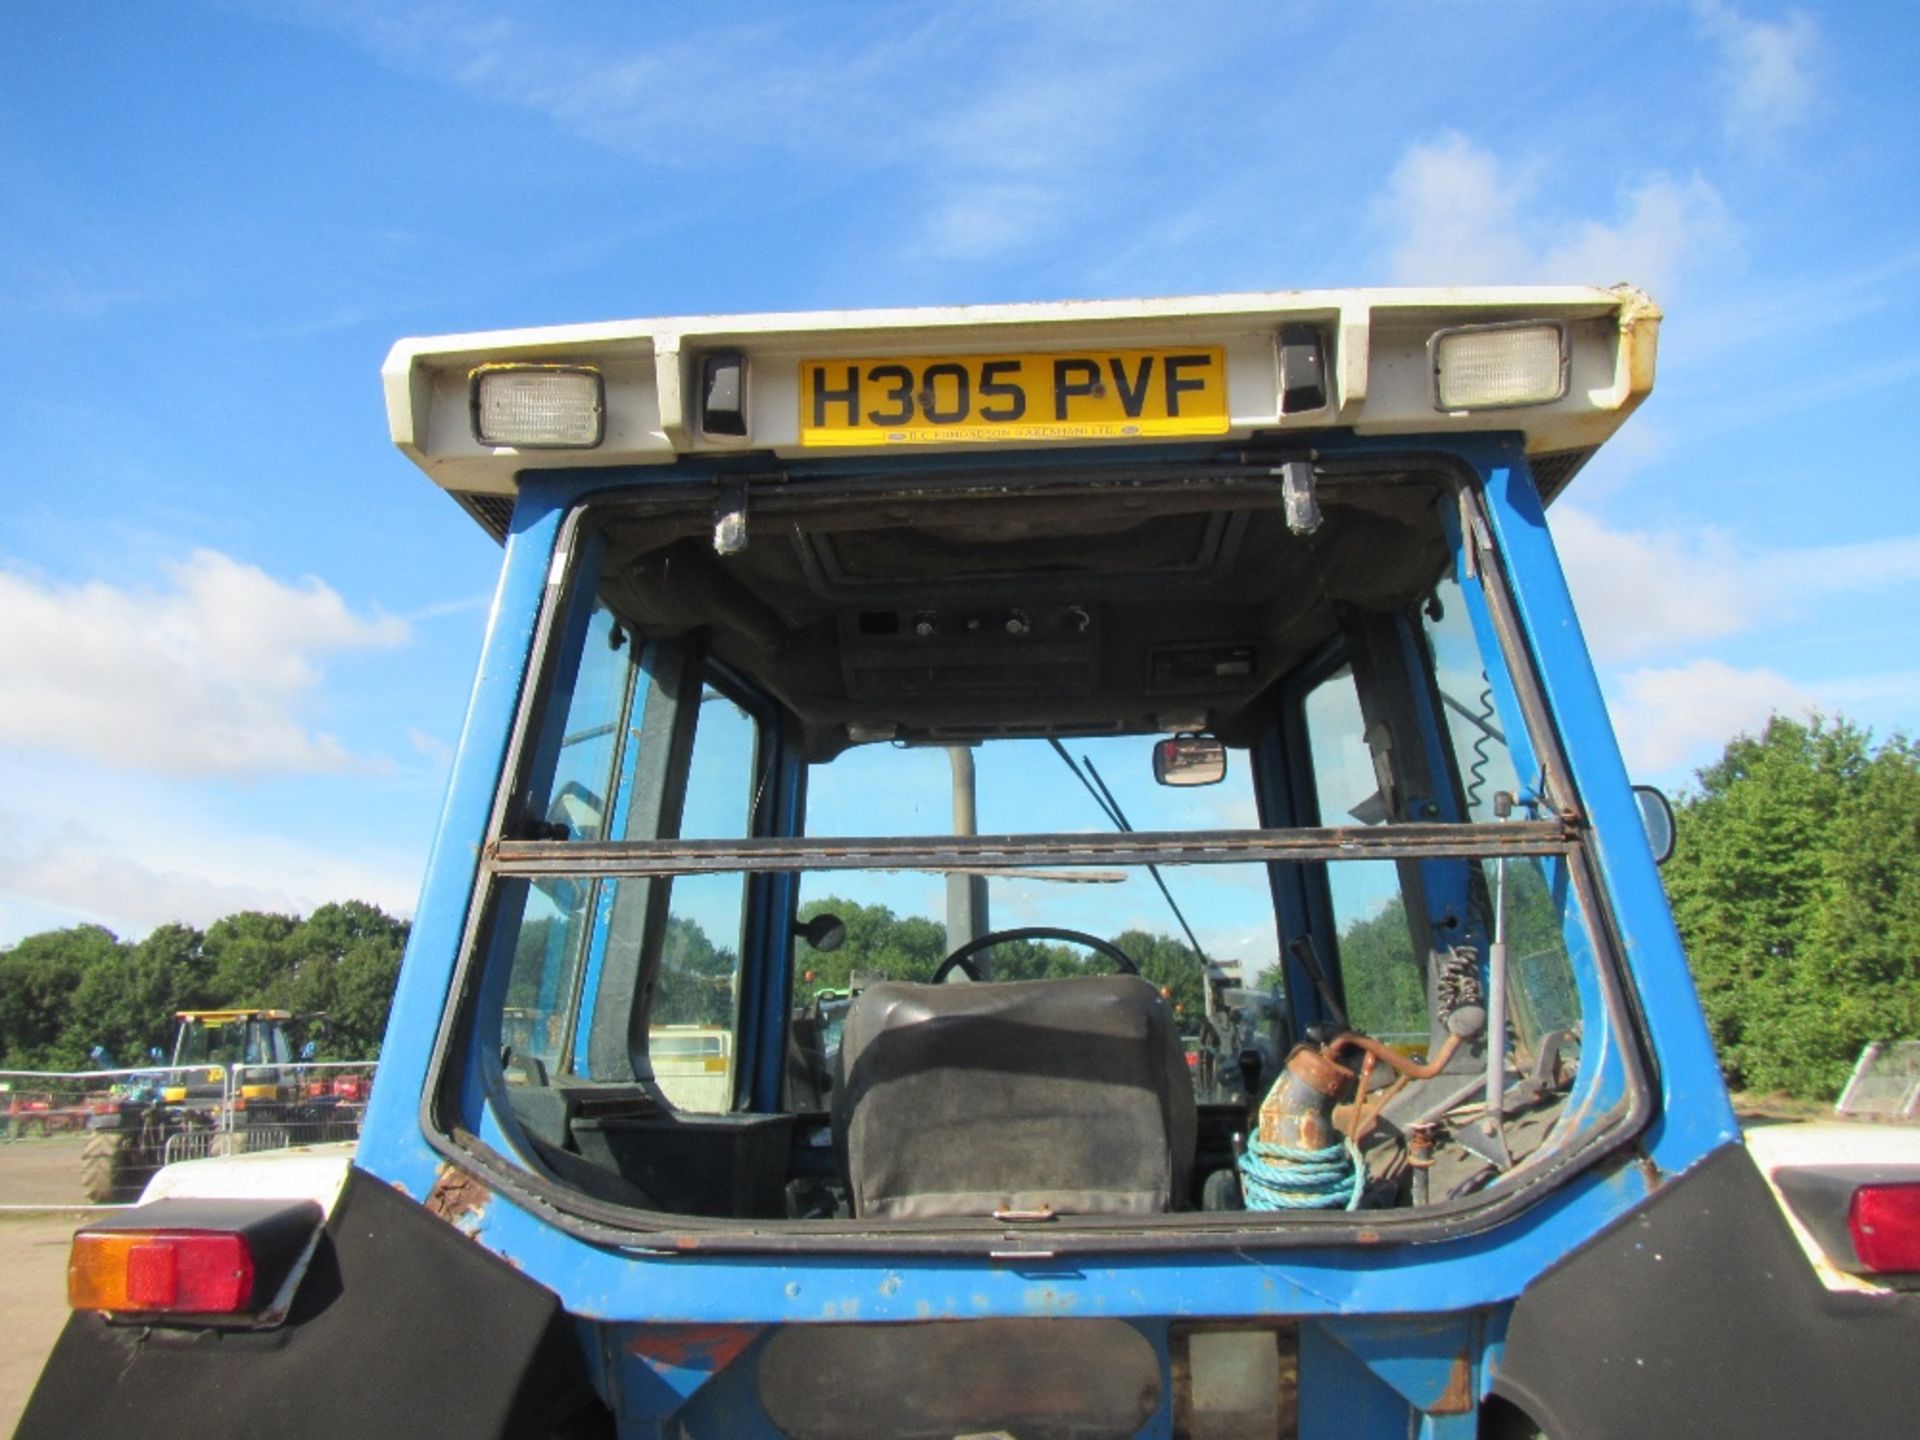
108 1175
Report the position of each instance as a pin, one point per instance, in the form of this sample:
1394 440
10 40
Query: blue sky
237 629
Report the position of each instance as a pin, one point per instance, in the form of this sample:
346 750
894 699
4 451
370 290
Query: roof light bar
539 407
1492 367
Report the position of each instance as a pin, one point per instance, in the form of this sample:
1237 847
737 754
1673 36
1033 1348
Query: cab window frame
460 1111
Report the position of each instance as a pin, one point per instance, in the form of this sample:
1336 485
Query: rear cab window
764 803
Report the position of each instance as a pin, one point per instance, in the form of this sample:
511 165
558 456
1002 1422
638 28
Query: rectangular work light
539 407
1489 367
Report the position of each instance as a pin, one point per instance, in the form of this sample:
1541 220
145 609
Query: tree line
1795 885
64 993
912 947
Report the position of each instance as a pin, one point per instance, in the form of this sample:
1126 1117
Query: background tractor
232 1085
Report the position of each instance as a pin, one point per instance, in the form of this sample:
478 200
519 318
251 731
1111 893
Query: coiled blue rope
1284 1177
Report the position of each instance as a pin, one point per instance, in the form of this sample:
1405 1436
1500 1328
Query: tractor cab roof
789 387
227 1017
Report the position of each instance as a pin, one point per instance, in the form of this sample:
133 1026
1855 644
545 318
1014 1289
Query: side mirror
156 1054
309 1050
823 932
1190 760
1656 817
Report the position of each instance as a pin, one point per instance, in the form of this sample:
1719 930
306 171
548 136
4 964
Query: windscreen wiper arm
1103 797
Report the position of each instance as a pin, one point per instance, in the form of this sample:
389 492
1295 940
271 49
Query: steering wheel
962 959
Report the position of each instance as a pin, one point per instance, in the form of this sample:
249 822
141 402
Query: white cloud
693 94
431 748
1683 715
1644 592
1665 227
1020 158
983 218
1455 208
1641 591
1898 689
1765 70
203 677
980 162
113 871
1457 214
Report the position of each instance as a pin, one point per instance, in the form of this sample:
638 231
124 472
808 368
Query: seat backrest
966 1099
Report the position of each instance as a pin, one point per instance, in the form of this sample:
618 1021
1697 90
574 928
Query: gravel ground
33 1259
33 1302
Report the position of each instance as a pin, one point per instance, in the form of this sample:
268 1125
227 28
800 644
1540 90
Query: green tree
1796 886
64 992
126 998
1173 966
248 953
1380 976
696 978
877 940
344 960
38 978
912 947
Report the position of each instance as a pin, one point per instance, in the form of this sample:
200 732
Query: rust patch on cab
458 1198
1457 1398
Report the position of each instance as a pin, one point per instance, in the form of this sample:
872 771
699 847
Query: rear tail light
189 1259
1884 1221
161 1273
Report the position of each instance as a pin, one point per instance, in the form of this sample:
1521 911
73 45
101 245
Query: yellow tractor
232 1085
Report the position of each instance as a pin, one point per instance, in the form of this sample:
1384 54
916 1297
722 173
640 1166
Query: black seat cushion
1068 1095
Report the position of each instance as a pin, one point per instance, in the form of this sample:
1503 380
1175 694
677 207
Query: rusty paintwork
1457 1398
458 1198
708 1348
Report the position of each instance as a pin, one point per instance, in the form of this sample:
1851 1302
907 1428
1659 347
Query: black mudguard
1700 1315
402 1327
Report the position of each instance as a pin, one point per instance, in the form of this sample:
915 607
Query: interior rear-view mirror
1190 760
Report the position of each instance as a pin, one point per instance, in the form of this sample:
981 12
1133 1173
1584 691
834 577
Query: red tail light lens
161 1272
1885 1224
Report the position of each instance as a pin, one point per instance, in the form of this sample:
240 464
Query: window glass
1540 918
897 923
1473 725
551 936
696 993
586 765
1023 787
549 940
1382 977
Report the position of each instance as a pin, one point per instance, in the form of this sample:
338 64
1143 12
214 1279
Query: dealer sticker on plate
1081 395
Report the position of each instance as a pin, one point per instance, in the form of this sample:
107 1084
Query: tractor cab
1048 870
250 1043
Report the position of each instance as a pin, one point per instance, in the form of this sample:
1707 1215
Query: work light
1490 367
539 407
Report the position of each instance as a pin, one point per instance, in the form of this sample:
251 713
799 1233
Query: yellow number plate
1082 395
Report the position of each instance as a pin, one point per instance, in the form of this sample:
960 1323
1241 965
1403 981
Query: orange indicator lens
160 1272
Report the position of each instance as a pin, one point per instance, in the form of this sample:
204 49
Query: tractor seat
1070 1096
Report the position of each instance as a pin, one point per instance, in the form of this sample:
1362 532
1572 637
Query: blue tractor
1285 1033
